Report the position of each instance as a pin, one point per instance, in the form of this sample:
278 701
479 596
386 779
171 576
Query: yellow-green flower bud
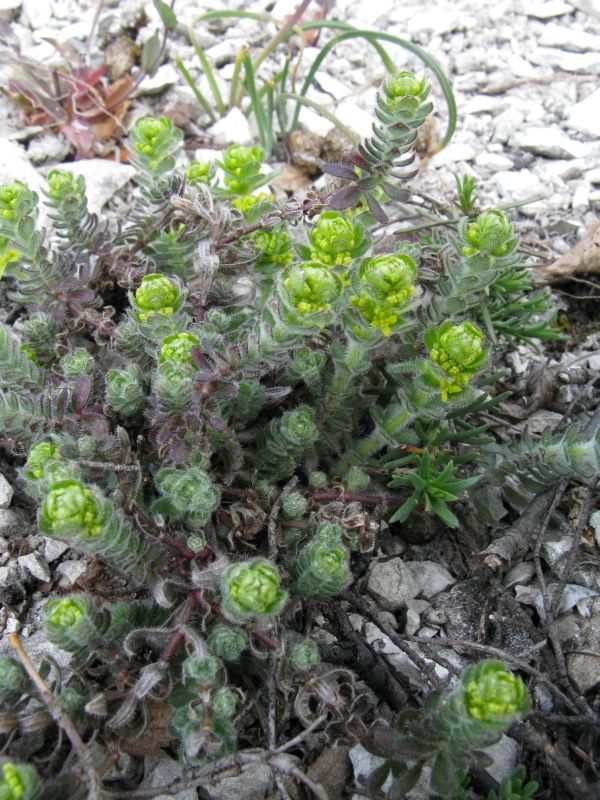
73 624
311 288
178 348
64 185
252 588
18 781
156 295
70 508
493 695
247 202
273 248
386 284
200 172
404 91
336 239
16 201
7 255
39 457
153 144
491 234
458 351
237 157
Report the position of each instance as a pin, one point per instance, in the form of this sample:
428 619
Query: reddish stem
178 636
372 499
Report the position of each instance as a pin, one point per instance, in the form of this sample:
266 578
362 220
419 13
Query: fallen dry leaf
584 257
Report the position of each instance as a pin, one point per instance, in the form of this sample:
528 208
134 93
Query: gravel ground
525 75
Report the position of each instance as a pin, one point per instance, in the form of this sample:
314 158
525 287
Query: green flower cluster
16 201
311 289
66 187
403 91
492 695
322 568
252 588
273 248
200 172
18 781
242 166
458 351
386 284
40 456
156 295
336 239
177 348
491 234
153 144
286 440
73 624
70 508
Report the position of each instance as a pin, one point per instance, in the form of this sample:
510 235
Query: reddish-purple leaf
337 170
81 393
63 399
82 295
345 198
376 209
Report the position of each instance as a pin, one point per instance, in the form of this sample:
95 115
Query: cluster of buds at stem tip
286 440
274 250
16 202
13 680
491 234
493 696
156 295
384 285
307 294
336 240
73 624
404 92
252 589
188 495
459 353
18 781
153 144
242 166
42 459
200 172
177 348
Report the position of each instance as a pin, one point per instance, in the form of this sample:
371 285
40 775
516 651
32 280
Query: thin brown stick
60 716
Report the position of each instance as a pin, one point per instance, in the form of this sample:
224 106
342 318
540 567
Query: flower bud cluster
384 285
286 440
18 781
153 145
322 568
252 589
491 235
458 351
336 240
188 495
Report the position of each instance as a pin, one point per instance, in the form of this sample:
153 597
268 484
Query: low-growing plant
197 384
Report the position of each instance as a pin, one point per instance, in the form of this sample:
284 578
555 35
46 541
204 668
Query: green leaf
405 510
443 512
167 14
150 53
443 775
405 782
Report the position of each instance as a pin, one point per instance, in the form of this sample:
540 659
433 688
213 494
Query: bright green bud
336 239
73 624
404 91
156 295
16 201
311 288
154 143
178 348
356 479
274 249
223 703
196 672
491 234
322 570
7 255
227 642
386 284
18 782
237 157
493 695
200 172
125 390
252 588
39 457
70 508
13 680
458 350
76 364
65 186
294 505
247 202
304 657
187 494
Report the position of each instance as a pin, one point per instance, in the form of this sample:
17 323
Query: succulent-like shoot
200 172
16 203
156 295
287 439
188 495
294 505
455 724
153 145
8 255
459 353
336 239
322 568
384 284
177 348
73 702
226 641
223 703
317 480
274 250
304 656
173 384
76 364
126 390
83 516
68 201
307 293
491 235
18 781
356 479
41 455
73 623
514 787
13 680
39 333
252 589
306 366
198 672
242 167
